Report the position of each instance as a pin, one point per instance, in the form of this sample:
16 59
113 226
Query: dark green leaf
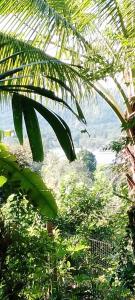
33 131
46 93
11 56
17 117
10 72
60 128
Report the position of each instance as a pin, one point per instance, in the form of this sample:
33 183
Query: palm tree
98 41
26 71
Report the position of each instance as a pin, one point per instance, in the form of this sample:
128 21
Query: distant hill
102 125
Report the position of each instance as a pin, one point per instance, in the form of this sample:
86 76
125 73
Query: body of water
102 157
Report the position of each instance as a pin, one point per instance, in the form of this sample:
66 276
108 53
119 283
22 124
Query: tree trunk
131 177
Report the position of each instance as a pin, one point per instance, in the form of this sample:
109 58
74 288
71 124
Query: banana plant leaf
31 183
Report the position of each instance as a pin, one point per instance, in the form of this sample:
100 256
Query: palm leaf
59 126
18 119
41 20
33 131
28 109
119 14
104 93
46 93
10 72
37 67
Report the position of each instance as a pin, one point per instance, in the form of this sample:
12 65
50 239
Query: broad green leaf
3 180
32 184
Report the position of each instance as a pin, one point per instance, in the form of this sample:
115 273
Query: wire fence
100 252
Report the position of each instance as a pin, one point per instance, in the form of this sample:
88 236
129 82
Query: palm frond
25 106
105 94
40 21
21 67
38 68
67 42
37 72
119 14
77 12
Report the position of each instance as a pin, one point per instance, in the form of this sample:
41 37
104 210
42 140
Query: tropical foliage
28 181
86 257
85 55
10 85
88 61
93 46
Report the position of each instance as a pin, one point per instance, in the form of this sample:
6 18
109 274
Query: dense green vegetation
82 257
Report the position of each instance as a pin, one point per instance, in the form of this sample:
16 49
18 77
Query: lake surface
102 157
